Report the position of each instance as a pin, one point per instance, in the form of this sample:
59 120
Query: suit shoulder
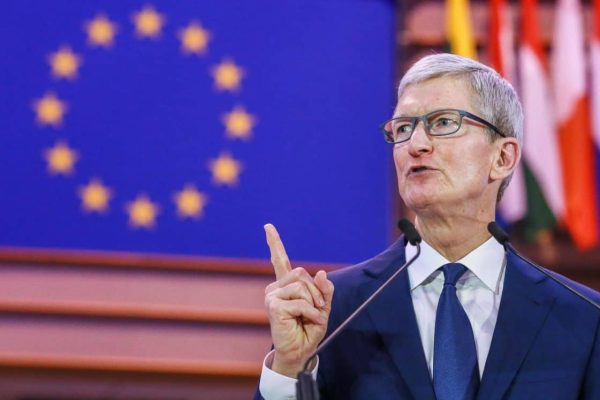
581 288
530 269
353 275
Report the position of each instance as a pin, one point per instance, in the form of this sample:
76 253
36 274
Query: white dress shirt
479 291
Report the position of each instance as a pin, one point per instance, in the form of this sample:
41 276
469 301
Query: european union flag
183 127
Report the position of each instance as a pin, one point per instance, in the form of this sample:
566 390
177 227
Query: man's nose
419 142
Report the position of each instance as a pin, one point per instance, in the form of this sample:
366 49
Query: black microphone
306 387
502 237
410 231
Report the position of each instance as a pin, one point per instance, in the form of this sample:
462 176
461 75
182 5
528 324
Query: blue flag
183 127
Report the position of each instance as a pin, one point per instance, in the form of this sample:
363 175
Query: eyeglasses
436 123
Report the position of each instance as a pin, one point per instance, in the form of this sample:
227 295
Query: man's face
441 173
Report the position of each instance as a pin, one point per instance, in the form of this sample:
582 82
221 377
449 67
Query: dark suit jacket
546 343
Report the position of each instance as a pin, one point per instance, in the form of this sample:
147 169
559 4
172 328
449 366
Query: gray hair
496 99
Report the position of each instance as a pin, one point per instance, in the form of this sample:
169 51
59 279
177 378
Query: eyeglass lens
438 123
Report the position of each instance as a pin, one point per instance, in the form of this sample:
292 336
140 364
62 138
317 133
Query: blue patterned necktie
455 369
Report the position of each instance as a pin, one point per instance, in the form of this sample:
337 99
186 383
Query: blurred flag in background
513 206
458 28
541 156
594 52
183 127
574 128
559 180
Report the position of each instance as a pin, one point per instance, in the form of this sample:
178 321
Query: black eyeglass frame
423 119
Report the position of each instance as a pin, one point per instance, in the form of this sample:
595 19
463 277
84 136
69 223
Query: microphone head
410 231
498 233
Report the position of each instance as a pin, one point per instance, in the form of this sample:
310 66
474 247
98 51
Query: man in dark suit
467 320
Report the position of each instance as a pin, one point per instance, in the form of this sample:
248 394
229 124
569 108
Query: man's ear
506 158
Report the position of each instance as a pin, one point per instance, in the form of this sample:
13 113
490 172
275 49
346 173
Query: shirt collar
485 262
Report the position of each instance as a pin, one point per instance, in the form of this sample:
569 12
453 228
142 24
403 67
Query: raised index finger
279 258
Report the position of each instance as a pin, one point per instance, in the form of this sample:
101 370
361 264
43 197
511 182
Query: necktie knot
452 272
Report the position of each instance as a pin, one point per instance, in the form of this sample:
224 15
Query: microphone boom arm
362 307
502 238
306 387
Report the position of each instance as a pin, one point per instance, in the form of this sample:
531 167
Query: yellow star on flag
238 123
227 75
148 22
194 39
61 159
225 169
101 31
95 196
49 110
190 202
142 212
64 63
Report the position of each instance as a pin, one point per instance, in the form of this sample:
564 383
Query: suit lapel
523 310
398 329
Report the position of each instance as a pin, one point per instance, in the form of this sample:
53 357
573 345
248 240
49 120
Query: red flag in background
571 106
541 154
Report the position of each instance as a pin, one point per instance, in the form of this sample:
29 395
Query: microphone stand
502 237
306 386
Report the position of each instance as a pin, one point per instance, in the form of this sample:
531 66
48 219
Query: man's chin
421 203
422 198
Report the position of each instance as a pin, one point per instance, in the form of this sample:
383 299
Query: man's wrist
276 386
274 364
285 368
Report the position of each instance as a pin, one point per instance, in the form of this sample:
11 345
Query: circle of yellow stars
95 196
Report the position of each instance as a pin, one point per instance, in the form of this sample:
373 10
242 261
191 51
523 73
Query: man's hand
298 308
